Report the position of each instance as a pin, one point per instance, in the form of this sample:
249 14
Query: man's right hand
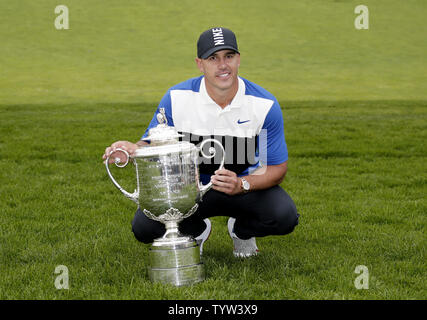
125 145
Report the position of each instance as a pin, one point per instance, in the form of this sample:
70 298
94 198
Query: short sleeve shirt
250 128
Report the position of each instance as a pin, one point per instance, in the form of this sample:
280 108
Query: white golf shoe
242 248
205 235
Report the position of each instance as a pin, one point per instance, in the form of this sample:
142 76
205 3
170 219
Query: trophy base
176 263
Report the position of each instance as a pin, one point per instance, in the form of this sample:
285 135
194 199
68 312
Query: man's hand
226 181
125 145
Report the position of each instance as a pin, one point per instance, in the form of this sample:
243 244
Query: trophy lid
164 149
162 134
163 140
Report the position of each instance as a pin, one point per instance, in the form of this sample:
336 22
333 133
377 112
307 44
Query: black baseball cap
215 39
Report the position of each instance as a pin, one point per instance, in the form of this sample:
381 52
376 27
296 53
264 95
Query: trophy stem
172 230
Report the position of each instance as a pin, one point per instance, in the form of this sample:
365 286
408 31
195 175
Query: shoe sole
236 253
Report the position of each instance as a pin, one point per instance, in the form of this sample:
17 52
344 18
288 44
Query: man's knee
286 216
146 230
141 236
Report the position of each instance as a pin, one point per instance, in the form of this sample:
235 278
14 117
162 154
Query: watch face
246 185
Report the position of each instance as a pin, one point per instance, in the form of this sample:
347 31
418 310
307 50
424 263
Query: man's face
220 69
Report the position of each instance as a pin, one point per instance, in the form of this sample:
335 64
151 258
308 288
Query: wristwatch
245 185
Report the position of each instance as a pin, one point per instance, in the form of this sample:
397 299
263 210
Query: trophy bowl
168 190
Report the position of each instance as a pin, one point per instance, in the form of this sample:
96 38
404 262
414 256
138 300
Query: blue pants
258 214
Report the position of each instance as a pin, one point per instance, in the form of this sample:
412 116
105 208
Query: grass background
355 108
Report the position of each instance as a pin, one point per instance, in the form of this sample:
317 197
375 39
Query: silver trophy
168 190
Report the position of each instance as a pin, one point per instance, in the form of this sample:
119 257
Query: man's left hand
226 181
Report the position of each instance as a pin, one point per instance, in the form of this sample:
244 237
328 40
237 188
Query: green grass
357 173
355 121
133 51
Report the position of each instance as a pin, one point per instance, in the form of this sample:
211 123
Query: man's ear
200 65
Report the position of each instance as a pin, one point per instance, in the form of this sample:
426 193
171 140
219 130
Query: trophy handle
205 188
131 196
